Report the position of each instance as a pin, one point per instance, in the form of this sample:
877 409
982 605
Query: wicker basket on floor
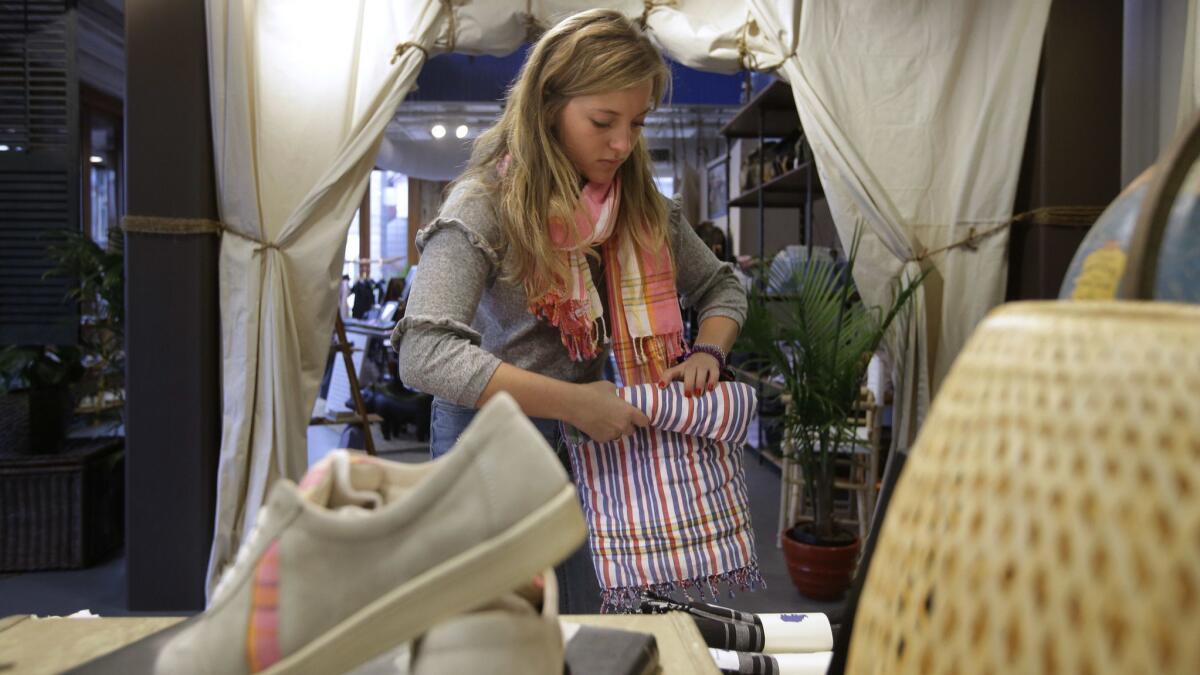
14 423
61 510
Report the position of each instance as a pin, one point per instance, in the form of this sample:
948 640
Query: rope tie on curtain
1050 215
533 27
262 245
649 6
403 47
747 59
451 41
156 225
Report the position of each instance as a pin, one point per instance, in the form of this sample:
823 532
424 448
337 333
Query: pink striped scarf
667 507
643 308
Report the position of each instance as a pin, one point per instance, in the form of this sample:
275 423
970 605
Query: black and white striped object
721 627
742 663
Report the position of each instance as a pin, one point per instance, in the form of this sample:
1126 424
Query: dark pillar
173 419
1073 148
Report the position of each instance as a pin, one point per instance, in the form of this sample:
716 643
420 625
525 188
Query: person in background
712 237
554 247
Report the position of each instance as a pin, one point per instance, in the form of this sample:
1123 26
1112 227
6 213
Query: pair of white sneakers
366 554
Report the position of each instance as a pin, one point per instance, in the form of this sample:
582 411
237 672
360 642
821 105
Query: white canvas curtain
916 111
302 92
1189 72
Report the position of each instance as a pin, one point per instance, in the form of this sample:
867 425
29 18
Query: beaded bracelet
712 350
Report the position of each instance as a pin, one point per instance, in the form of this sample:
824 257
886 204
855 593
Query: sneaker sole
471 578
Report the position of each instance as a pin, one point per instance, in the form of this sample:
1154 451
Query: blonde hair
593 52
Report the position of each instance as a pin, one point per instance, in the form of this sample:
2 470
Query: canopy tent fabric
1189 72
916 111
300 94
302 90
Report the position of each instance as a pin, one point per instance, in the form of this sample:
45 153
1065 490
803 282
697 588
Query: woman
555 245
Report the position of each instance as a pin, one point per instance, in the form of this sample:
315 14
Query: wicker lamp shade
1048 519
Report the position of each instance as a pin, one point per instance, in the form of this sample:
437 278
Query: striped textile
666 507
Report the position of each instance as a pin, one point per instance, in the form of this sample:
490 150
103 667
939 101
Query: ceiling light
461 131
96 159
3 148
438 131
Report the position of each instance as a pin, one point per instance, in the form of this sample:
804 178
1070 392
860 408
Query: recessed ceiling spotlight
461 131
96 159
438 131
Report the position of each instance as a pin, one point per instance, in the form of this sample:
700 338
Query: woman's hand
699 373
603 415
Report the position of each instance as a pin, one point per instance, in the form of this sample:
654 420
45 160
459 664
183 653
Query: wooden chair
859 465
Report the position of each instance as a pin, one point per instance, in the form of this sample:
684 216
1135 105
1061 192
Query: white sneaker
517 634
366 554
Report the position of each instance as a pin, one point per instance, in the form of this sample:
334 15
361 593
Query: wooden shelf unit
771 113
789 190
779 114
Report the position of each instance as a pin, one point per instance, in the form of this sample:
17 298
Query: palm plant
816 340
98 284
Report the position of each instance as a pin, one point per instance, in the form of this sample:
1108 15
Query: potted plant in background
35 399
815 340
98 276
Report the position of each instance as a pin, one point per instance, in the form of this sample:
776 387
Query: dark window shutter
39 169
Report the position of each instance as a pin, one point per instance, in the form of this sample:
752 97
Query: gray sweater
463 319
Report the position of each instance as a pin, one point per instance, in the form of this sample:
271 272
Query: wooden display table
29 645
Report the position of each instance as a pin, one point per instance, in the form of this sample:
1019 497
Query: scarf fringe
580 335
627 599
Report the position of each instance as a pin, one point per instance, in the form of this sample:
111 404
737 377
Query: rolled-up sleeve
703 281
438 351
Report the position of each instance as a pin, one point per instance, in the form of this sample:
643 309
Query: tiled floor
102 587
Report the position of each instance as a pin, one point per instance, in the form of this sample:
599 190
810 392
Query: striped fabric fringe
627 599
667 507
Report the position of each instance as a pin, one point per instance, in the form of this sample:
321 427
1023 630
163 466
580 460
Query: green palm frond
817 339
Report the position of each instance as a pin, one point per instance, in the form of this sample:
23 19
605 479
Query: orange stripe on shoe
262 631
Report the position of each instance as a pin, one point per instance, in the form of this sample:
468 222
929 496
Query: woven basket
61 510
1048 520
14 423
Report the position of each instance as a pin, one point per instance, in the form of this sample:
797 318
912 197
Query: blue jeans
578 588
449 420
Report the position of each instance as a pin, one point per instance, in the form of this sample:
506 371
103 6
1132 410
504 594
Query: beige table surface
50 645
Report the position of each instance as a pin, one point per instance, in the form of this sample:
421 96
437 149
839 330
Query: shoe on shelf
366 554
516 634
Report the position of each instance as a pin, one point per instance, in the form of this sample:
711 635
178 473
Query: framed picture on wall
716 203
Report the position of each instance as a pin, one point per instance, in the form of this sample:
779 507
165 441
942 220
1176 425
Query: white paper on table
84 614
568 630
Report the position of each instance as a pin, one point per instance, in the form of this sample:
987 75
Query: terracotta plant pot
820 572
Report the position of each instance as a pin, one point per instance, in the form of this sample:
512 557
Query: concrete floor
101 588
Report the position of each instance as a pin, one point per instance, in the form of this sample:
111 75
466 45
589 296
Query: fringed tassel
579 333
675 346
625 599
